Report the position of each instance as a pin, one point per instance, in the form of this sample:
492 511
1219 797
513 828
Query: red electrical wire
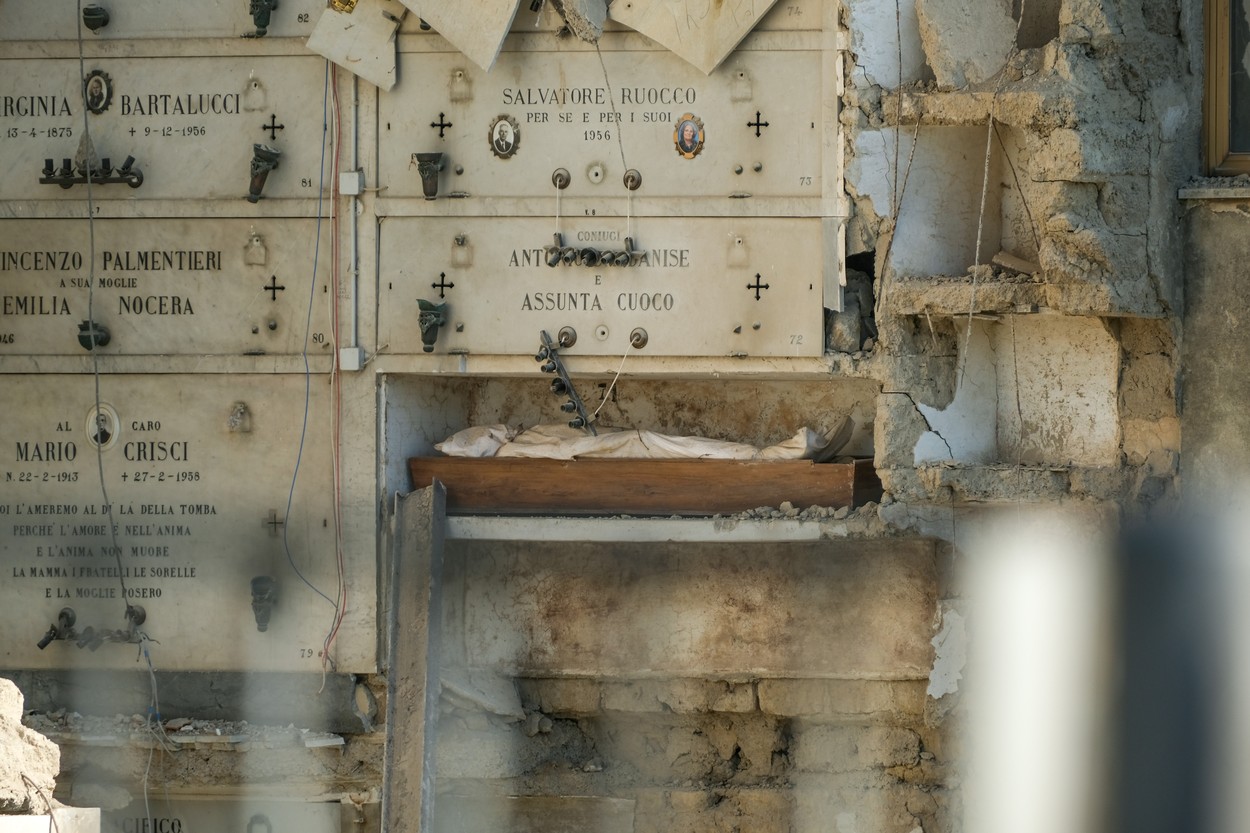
337 410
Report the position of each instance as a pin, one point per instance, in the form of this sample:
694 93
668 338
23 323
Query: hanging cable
336 389
608 393
985 187
88 151
312 292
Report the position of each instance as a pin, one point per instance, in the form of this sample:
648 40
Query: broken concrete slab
1016 264
702 33
585 18
29 762
965 41
362 42
477 29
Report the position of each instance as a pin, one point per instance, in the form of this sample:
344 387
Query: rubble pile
29 762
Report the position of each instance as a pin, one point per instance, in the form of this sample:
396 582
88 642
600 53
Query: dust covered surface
209 755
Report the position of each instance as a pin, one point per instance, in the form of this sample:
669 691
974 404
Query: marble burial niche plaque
162 287
198 472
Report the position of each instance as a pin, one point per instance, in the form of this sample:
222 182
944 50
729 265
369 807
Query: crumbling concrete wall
776 687
694 754
1093 131
993 178
1013 190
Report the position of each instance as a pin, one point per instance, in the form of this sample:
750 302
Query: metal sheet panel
190 123
163 287
58 20
758 127
198 470
693 289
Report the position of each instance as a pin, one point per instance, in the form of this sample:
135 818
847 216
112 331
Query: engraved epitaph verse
190 494
61 544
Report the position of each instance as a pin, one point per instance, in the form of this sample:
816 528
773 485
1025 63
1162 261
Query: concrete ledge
1229 192
483 528
274 698
679 696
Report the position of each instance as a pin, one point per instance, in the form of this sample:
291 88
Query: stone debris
29 762
316 740
1018 264
788 511
585 18
173 734
1239 181
843 333
536 724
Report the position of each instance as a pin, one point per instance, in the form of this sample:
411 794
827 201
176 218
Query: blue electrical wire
312 289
